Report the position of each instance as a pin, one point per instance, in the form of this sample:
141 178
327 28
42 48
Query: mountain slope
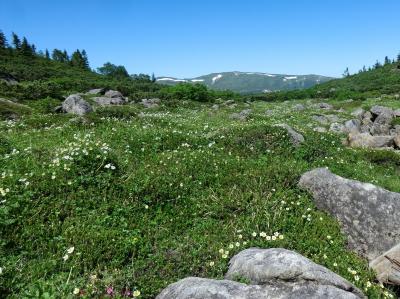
251 82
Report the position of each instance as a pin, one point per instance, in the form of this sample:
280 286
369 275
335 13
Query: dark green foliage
113 71
186 91
3 40
26 48
79 59
16 41
60 56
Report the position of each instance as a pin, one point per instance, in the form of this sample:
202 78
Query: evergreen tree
398 58
377 65
16 41
33 47
66 57
387 60
3 40
85 60
153 78
26 49
346 72
76 59
60 56
47 54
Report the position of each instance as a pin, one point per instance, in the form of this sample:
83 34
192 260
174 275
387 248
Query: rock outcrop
271 273
369 217
75 104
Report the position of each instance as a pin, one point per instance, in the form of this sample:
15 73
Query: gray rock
215 107
273 273
106 101
382 123
295 137
150 103
396 113
299 107
74 104
366 140
396 140
377 110
336 128
325 119
352 126
113 94
358 113
229 102
369 216
325 106
202 288
261 266
242 115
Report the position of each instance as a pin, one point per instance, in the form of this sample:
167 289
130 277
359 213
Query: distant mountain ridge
250 82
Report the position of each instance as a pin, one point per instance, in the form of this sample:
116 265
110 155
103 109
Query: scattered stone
106 101
352 126
366 140
299 107
113 94
215 107
325 119
74 104
358 113
369 216
325 106
336 128
273 273
377 110
396 140
229 102
382 123
295 137
242 115
150 103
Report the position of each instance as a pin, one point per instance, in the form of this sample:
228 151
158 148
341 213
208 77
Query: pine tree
60 56
16 41
85 58
346 72
26 49
76 59
33 47
387 60
398 58
3 40
153 78
47 54
66 57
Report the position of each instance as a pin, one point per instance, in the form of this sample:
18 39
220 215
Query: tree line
78 58
377 65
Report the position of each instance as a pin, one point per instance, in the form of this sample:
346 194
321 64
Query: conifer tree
387 60
26 49
16 41
47 54
85 59
3 40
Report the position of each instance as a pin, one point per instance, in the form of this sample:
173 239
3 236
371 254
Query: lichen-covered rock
325 106
336 128
150 103
377 110
261 266
299 107
369 215
296 138
272 273
75 104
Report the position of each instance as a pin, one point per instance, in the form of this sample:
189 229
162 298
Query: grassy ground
124 201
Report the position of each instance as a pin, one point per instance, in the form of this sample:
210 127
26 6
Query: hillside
370 83
251 82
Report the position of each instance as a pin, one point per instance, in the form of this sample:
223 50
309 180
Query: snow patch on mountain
217 77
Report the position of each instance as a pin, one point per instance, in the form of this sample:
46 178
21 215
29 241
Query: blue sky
190 38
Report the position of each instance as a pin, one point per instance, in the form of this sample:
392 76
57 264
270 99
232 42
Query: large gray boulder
105 101
75 104
296 138
377 110
113 94
366 140
272 273
382 123
369 217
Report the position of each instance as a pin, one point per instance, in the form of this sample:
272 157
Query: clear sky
185 38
